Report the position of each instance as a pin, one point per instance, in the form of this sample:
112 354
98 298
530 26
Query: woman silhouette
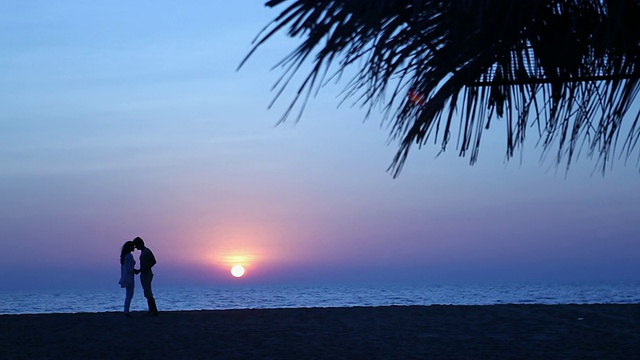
126 274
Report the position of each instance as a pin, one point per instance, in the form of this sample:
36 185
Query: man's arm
147 260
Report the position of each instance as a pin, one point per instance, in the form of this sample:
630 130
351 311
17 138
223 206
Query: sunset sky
121 119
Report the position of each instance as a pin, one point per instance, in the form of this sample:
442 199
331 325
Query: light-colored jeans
145 280
128 297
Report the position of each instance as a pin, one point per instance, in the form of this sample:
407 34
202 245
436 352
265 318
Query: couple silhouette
128 272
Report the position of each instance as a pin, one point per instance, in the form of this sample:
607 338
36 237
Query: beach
390 332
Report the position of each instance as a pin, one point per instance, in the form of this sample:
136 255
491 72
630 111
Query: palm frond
568 68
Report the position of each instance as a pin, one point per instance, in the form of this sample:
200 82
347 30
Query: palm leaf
567 68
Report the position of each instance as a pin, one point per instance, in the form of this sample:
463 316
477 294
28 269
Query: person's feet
152 313
128 315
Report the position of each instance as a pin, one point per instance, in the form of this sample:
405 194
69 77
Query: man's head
138 243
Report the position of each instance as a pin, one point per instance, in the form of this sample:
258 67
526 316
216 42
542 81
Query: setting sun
237 271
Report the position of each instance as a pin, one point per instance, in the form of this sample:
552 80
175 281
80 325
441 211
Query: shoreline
141 313
289 296
434 331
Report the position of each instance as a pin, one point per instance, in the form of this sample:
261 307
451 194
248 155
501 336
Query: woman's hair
126 248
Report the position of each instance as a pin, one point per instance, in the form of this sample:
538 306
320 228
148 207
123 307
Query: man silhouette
147 261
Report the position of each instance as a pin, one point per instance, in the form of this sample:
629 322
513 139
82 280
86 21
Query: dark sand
413 332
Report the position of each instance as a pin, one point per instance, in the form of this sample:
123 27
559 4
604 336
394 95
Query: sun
237 271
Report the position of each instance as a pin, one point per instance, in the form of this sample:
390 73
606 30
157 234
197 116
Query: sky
121 119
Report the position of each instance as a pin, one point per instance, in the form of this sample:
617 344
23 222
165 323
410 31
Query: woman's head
126 248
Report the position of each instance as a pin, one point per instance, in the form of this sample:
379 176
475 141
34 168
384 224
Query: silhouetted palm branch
567 68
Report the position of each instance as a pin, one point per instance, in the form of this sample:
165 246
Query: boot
151 303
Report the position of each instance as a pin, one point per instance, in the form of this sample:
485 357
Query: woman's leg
127 299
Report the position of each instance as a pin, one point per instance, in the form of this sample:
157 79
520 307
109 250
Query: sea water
262 297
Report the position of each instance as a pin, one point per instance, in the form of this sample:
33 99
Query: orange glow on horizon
243 242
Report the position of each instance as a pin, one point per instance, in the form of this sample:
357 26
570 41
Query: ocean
262 297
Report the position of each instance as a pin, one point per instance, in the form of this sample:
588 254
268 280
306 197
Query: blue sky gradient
122 119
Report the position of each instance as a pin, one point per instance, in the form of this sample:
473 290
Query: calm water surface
257 297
